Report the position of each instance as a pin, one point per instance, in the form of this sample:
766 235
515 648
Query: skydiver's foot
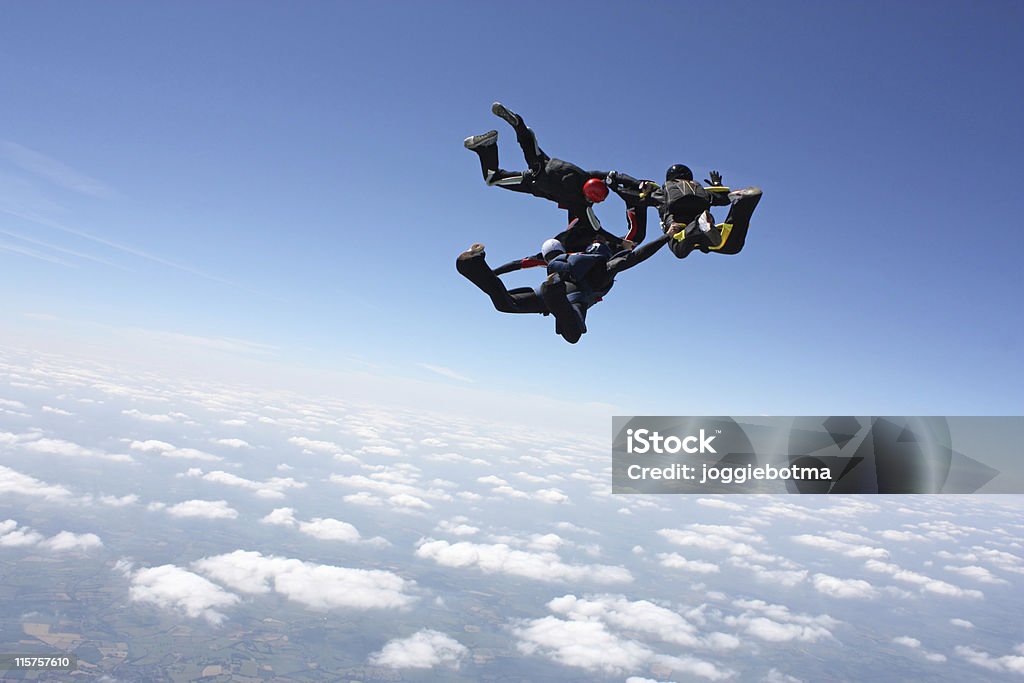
475 142
513 119
476 250
737 195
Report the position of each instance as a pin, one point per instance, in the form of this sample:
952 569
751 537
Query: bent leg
527 139
568 321
472 266
535 158
486 148
701 233
734 230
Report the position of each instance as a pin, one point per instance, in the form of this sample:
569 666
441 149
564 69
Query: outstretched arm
635 194
519 264
639 255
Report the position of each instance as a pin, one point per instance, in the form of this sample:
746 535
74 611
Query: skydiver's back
562 182
683 200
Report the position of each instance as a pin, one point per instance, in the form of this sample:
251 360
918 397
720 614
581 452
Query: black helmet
678 171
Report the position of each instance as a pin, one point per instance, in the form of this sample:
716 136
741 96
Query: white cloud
317 586
424 649
123 501
962 623
843 588
171 587
550 496
925 583
584 644
1010 663
501 559
977 573
151 445
735 540
171 451
56 411
313 446
280 517
763 574
896 535
842 547
363 498
191 454
569 526
388 483
68 448
776 632
405 500
640 616
330 530
67 540
14 537
209 509
233 443
591 646
907 641
777 624
12 481
389 451
147 417
776 676
545 542
271 488
677 561
457 528
720 504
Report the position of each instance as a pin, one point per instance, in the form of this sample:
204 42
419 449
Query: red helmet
595 190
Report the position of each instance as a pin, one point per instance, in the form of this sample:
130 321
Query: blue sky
293 176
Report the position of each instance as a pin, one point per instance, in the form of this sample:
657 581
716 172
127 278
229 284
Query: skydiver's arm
519 264
636 195
719 192
636 221
632 191
638 255
719 195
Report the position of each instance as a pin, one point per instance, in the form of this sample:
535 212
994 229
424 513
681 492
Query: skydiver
684 206
575 282
559 181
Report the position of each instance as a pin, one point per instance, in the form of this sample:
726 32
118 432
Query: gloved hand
716 178
647 187
611 178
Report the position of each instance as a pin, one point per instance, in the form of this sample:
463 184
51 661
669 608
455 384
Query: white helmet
551 248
